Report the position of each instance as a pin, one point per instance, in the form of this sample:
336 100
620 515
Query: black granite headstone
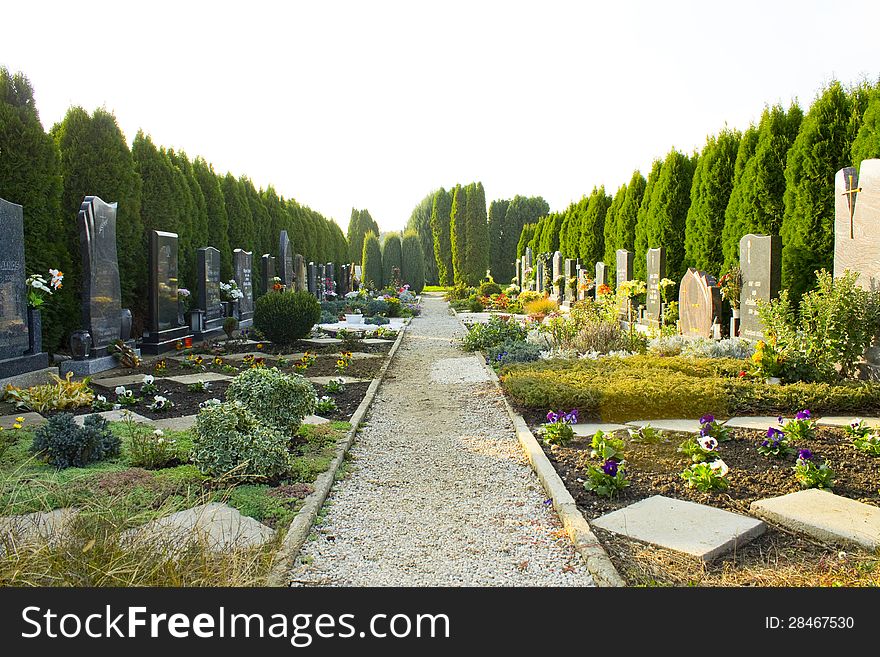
163 281
330 286
13 293
313 279
760 260
285 255
101 293
242 264
656 273
267 269
208 290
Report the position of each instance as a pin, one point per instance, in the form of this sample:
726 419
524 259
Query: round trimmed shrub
487 289
284 317
278 399
231 441
64 444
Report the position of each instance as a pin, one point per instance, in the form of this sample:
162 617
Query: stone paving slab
219 525
114 416
315 419
679 426
111 382
42 525
201 376
182 423
377 341
588 429
322 341
31 420
240 356
756 422
324 380
844 420
695 529
825 516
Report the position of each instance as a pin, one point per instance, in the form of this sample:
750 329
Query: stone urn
354 318
80 344
35 330
734 322
125 324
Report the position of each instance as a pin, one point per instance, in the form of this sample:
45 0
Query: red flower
742 374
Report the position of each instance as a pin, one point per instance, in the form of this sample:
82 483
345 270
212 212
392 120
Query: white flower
101 398
57 277
159 432
116 407
855 424
720 467
120 390
708 443
148 379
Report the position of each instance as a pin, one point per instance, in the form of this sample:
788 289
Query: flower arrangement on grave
230 291
700 449
160 403
39 288
334 386
199 386
802 427
609 478
709 426
160 367
100 404
766 361
811 473
603 290
731 286
125 397
277 286
183 295
664 285
325 405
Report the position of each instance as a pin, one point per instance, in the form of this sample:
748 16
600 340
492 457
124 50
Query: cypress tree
458 235
521 211
30 175
355 237
867 142
238 212
391 258
629 213
535 240
497 228
198 220
822 146
613 233
525 236
260 235
477 228
667 212
442 247
734 218
413 261
641 231
279 220
215 206
372 262
710 193
96 161
592 237
420 221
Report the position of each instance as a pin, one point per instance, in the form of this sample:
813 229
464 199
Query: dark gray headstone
267 268
344 280
13 294
313 279
539 276
208 283
285 255
101 293
242 267
321 280
624 269
601 277
857 223
331 279
699 304
528 256
300 274
760 259
163 281
656 273
517 277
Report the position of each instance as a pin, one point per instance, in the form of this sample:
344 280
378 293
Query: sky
375 104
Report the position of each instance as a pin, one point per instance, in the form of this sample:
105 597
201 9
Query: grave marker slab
656 272
699 303
101 294
601 277
760 258
13 292
164 330
857 223
208 286
299 264
267 269
242 266
285 255
557 272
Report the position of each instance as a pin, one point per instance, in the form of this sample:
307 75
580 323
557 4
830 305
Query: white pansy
148 379
720 467
120 390
708 443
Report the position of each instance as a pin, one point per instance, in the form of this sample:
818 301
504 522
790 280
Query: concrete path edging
301 526
576 526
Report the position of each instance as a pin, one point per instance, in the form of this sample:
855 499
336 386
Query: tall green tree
867 142
359 225
734 214
238 212
641 233
522 210
420 221
613 234
198 219
497 227
710 193
458 234
30 175
477 228
822 146
592 237
441 209
413 261
391 257
96 161
372 262
215 206
667 213
525 236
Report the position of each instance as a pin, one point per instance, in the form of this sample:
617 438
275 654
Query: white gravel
440 493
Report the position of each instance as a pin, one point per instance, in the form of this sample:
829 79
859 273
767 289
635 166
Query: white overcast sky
373 104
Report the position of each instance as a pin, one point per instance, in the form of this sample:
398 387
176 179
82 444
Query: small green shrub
376 307
487 289
231 441
279 399
66 445
497 331
474 305
517 351
257 502
285 317
394 307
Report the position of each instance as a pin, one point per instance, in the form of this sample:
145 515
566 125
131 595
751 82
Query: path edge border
301 526
598 562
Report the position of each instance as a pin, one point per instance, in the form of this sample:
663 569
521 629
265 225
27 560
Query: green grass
436 288
656 387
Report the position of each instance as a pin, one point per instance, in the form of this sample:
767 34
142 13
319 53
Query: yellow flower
16 426
19 419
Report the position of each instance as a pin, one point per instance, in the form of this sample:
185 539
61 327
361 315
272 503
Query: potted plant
38 289
353 315
230 295
183 298
731 289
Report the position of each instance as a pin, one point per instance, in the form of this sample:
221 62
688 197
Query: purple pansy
803 415
552 417
610 468
805 454
775 434
707 419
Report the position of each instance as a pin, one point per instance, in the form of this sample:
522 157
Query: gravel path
439 492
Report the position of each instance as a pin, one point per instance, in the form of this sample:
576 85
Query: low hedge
653 387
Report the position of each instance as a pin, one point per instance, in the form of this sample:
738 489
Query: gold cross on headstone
851 200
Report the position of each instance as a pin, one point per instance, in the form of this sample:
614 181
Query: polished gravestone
242 267
287 273
164 331
623 272
267 271
344 280
208 301
601 277
313 279
760 260
300 276
699 304
569 271
20 335
539 276
656 273
101 293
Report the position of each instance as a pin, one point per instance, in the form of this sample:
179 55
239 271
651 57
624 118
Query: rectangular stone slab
825 516
201 376
588 429
756 422
131 380
679 426
696 529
